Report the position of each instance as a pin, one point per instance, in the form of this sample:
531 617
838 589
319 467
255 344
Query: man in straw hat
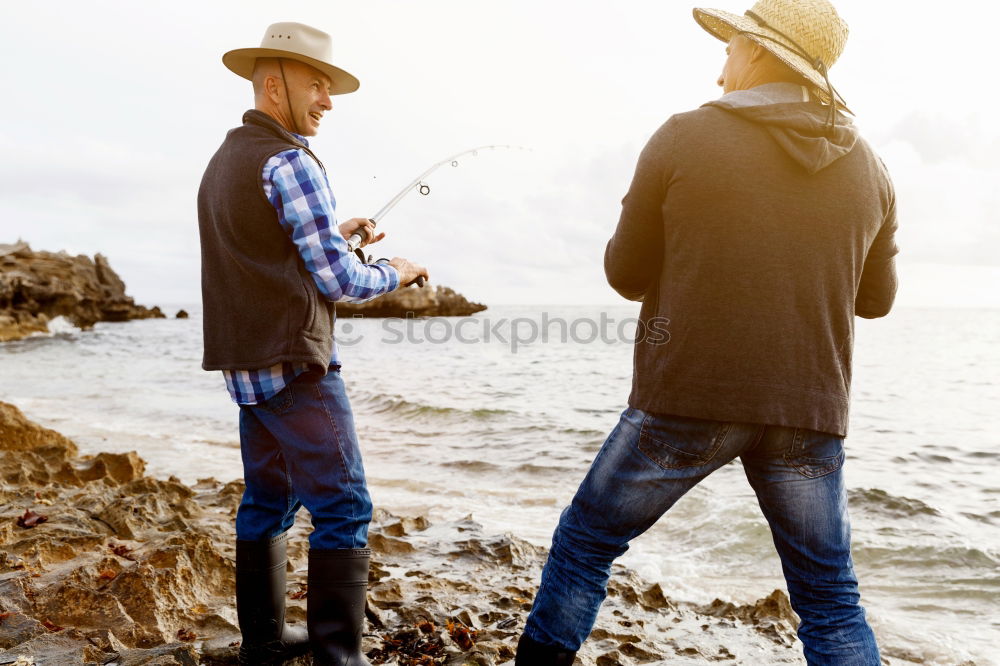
758 226
274 260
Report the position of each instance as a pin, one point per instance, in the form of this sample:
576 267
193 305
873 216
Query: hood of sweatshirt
798 125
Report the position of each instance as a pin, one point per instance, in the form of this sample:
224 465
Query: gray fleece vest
261 305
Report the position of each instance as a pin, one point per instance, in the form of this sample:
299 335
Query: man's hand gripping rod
354 242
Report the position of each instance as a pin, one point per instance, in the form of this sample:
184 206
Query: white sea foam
61 324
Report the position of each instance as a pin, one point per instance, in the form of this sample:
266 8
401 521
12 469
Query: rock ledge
413 302
36 287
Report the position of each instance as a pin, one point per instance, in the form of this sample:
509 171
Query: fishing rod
354 242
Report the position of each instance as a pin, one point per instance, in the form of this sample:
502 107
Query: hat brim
723 25
241 62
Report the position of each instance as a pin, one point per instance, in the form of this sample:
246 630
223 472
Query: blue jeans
648 462
300 449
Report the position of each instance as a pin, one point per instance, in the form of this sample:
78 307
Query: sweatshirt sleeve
877 287
634 254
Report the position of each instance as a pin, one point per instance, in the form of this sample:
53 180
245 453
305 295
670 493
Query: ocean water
486 416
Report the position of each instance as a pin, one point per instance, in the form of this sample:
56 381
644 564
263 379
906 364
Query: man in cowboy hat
274 260
758 225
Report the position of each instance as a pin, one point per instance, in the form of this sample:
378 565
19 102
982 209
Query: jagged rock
55 649
506 550
35 287
772 616
17 628
414 302
175 653
17 433
181 314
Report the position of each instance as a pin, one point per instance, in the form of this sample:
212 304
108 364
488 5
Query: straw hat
806 35
295 41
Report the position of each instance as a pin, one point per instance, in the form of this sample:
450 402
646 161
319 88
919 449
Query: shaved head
292 92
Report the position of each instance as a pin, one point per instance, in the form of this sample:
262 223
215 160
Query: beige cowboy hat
806 35
295 41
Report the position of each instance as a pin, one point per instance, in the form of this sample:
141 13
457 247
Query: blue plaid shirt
298 189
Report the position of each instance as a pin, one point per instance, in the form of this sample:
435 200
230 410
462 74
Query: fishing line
419 184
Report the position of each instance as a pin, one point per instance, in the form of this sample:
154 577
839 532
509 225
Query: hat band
817 63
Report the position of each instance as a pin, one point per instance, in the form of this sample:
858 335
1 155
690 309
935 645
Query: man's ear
273 88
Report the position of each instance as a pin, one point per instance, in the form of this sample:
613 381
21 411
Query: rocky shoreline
428 301
36 287
103 564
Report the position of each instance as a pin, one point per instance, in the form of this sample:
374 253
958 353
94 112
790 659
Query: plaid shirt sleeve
298 189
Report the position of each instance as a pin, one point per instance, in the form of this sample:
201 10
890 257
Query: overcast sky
112 109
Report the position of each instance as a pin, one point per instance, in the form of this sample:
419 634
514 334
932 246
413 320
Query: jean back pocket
814 454
673 442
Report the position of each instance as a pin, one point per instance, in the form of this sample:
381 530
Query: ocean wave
933 458
596 412
549 428
399 406
472 465
991 518
983 455
225 443
928 557
484 466
894 506
529 468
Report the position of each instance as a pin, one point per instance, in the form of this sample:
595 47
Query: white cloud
948 200
115 107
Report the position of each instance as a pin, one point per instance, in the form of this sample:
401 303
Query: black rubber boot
338 584
260 604
533 653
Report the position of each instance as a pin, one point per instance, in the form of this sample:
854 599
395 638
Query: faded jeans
648 462
300 449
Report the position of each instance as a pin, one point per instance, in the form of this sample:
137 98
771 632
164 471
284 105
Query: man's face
309 92
734 70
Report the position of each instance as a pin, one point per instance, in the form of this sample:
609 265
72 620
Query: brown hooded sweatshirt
753 235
